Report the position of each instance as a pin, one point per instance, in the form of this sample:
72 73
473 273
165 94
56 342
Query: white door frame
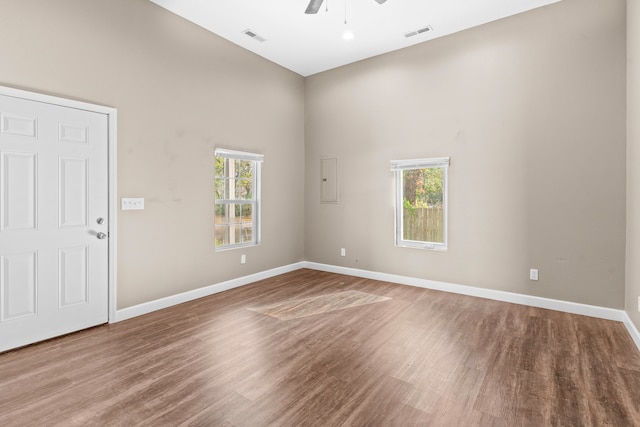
111 114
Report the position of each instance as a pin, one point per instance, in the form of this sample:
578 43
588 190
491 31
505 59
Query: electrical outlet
132 204
343 252
533 274
243 259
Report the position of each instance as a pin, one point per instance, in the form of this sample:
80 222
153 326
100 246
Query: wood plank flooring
320 304
421 358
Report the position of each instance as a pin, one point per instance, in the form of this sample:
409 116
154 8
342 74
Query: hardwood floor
420 358
320 304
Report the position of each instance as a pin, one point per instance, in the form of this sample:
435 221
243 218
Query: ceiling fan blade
381 1
314 6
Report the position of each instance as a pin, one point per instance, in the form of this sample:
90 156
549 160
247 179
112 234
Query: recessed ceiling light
348 35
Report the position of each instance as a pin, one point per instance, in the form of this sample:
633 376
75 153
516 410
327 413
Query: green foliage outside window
422 188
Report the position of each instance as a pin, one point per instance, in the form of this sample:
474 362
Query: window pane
247 232
235 234
247 213
220 167
423 187
247 223
244 188
220 192
221 235
424 224
244 168
244 179
234 213
423 210
221 214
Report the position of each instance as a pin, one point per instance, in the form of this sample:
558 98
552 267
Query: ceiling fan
314 6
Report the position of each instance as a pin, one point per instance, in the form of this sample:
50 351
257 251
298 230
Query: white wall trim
159 304
631 328
529 300
113 214
551 304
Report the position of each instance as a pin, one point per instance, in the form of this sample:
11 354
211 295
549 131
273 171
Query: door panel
18 192
53 189
74 275
18 285
73 192
18 126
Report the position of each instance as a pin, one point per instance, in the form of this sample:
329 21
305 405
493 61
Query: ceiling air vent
420 31
254 35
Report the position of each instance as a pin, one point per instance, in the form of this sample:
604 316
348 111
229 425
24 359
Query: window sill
427 246
238 246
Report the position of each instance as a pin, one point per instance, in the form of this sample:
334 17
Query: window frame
398 167
255 201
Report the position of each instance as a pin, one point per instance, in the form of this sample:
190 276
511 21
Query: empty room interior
231 229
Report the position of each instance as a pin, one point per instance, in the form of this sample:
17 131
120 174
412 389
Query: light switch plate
132 203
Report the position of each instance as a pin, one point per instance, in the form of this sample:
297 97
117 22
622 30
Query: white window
237 199
421 202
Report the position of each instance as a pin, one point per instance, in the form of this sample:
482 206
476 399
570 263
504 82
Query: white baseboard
631 328
551 304
159 304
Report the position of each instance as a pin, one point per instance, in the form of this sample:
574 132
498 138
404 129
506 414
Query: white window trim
239 155
257 184
397 166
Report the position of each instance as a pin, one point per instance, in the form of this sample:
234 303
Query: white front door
53 220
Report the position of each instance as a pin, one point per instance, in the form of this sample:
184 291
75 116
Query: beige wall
531 110
633 160
180 92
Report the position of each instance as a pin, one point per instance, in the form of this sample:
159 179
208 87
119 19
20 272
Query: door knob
101 236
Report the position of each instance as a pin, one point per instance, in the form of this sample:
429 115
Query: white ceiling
309 44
